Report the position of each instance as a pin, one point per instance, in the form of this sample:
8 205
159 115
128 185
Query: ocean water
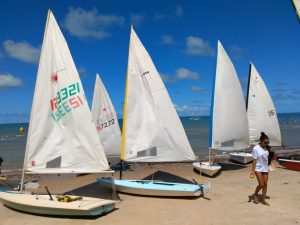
13 142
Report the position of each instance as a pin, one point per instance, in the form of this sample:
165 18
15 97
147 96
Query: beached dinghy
291 164
152 130
41 204
62 137
229 124
153 187
207 168
241 157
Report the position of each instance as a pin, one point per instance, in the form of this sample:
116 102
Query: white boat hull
241 157
206 168
153 187
40 204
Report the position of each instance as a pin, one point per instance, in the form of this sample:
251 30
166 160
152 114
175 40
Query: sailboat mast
212 106
29 128
248 86
124 115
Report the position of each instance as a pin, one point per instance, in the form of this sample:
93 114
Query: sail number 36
271 112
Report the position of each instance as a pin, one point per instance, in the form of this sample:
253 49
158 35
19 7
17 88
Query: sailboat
261 111
62 138
262 116
105 119
152 131
229 124
296 4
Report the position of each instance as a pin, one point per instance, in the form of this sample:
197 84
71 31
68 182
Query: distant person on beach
1 160
260 167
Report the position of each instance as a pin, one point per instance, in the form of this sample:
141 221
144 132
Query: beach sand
228 201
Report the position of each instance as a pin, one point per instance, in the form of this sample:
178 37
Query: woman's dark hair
263 136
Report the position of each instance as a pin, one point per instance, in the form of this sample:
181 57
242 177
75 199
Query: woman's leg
260 185
265 177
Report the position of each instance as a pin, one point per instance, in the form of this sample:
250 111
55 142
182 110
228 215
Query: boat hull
241 157
40 204
290 164
206 168
153 187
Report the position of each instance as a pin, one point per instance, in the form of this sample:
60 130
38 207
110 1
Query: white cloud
85 24
192 110
176 13
9 81
22 51
237 52
197 46
196 88
167 39
167 78
183 73
180 74
136 19
82 72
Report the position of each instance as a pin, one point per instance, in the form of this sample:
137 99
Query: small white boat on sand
210 169
241 157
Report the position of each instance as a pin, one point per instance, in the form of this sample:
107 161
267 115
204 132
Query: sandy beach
227 202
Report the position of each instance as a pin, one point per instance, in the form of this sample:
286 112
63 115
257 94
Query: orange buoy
21 129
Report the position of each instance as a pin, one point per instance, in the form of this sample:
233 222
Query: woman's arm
253 166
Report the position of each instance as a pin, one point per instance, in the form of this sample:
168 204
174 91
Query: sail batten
261 111
61 134
154 132
229 125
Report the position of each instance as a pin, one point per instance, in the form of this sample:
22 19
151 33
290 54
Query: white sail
62 137
105 119
261 112
229 128
296 4
154 132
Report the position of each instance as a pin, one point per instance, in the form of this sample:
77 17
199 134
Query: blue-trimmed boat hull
153 187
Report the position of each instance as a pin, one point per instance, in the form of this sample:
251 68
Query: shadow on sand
94 190
64 217
228 166
250 198
167 177
204 175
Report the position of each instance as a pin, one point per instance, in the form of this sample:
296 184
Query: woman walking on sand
260 168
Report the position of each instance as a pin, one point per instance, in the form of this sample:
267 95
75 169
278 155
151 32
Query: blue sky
180 36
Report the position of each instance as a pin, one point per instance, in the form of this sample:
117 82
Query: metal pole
121 169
